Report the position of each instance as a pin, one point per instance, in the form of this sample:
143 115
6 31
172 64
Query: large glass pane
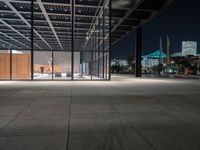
62 65
89 38
52 37
42 65
15 36
77 60
85 65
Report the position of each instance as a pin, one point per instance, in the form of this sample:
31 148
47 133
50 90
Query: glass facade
55 40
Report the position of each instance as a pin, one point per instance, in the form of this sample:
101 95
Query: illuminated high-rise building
189 48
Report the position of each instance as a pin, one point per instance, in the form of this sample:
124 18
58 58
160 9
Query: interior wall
21 66
4 66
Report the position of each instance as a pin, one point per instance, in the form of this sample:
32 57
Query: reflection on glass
62 65
43 65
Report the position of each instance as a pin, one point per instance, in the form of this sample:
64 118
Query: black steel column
106 66
91 65
91 57
98 34
81 63
10 64
103 42
32 38
138 52
110 50
72 40
95 53
52 63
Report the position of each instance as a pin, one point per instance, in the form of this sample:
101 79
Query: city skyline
179 24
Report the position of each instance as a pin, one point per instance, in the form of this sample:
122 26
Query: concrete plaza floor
123 114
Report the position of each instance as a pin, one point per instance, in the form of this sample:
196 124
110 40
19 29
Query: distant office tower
189 48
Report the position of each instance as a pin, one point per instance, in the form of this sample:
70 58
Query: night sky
181 21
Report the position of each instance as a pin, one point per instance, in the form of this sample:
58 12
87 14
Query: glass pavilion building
54 40
68 39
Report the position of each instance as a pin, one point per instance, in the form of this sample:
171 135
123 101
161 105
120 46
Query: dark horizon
179 21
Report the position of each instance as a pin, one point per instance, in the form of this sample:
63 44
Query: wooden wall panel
4 66
37 68
57 69
21 66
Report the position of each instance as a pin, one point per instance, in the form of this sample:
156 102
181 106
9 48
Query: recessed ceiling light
79 10
51 9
